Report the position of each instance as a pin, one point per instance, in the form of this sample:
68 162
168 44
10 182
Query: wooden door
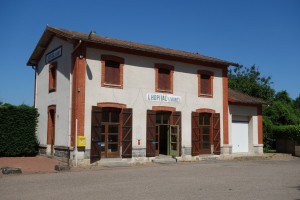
216 133
173 140
176 120
151 133
95 154
127 133
195 134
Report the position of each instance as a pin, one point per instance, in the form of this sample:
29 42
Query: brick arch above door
205 110
111 105
164 108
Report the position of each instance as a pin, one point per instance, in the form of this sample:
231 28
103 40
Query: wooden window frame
168 67
52 79
115 59
211 74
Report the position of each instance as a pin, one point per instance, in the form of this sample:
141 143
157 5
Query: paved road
202 180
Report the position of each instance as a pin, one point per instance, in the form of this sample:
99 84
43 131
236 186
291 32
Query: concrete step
208 157
163 159
113 162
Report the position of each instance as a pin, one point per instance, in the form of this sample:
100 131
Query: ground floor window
205 133
111 134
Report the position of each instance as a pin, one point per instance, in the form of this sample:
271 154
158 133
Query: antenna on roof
92 33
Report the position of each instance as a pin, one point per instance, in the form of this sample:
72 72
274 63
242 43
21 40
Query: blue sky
261 32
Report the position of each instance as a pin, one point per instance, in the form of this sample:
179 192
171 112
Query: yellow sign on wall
81 141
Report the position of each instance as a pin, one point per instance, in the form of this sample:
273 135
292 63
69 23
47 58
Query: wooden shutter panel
150 135
216 133
205 84
127 133
95 154
112 72
195 134
177 121
164 79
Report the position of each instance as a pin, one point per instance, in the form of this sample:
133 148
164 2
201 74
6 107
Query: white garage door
240 137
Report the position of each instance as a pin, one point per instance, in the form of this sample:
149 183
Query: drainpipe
34 67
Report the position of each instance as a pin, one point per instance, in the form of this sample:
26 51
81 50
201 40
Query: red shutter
177 121
195 134
205 84
127 133
150 135
112 72
216 133
95 153
164 79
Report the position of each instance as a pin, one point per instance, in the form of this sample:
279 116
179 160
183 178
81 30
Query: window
205 83
52 77
164 78
112 71
205 130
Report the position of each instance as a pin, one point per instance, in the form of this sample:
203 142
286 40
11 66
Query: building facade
117 99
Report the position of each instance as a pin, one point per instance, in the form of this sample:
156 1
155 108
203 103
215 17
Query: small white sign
163 98
53 54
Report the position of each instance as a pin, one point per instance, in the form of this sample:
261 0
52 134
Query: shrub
291 132
18 130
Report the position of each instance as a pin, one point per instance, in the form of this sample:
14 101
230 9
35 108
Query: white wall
236 112
60 98
139 79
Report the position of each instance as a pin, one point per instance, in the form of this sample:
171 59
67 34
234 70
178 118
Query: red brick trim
211 74
225 105
164 108
260 124
78 97
116 59
164 66
205 110
111 105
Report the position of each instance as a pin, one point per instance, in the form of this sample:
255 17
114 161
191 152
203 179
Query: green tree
251 82
297 102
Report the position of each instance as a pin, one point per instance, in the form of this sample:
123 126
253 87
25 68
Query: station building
109 98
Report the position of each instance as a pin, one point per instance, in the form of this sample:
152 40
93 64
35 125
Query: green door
173 141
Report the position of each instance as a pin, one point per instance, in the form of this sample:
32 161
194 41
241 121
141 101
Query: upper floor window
205 83
52 76
164 78
112 71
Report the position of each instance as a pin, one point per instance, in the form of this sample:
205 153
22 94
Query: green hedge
18 130
287 132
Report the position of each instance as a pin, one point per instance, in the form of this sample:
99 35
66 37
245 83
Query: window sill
52 90
164 91
206 95
112 85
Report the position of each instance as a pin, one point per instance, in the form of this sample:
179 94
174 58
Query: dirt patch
38 164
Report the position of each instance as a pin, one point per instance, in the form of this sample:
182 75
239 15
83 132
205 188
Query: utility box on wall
81 141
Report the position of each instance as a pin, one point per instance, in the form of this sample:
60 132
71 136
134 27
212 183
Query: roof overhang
120 45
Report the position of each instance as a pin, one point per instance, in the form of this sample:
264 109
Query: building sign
163 98
53 54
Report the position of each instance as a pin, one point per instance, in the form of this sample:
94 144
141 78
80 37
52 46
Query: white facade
138 81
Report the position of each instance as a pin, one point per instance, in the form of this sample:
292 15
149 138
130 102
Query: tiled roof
238 97
75 36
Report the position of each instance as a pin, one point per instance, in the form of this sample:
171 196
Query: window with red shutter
164 78
52 77
205 84
112 71
205 81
